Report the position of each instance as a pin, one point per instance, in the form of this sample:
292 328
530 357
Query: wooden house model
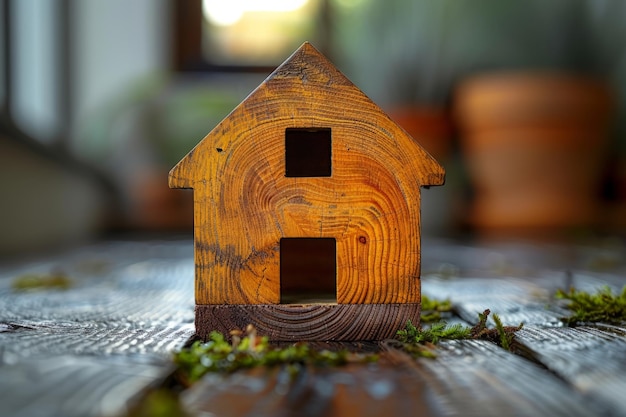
307 211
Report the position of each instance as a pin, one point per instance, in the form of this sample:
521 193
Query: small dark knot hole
363 239
219 149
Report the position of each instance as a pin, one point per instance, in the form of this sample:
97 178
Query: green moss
480 329
506 337
249 351
412 336
601 307
502 336
433 310
433 334
55 280
158 403
418 350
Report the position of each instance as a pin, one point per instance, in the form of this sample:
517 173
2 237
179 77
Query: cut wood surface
327 322
244 202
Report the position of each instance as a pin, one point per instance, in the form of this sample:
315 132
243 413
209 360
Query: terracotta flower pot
431 127
153 206
535 146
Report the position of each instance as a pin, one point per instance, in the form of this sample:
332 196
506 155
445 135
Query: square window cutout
308 152
308 270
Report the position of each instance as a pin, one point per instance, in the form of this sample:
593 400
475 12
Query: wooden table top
91 350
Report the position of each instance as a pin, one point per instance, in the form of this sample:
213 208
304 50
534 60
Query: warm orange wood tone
244 203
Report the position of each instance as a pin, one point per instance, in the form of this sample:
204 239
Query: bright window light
226 13
257 32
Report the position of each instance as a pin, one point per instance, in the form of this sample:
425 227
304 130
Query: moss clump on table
414 338
248 350
160 402
434 310
601 307
53 280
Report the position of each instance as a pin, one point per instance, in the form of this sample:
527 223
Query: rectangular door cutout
308 152
308 270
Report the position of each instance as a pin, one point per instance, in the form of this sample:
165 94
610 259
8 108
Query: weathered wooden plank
591 359
27 339
88 350
470 378
72 386
514 300
605 258
118 313
477 378
354 390
124 294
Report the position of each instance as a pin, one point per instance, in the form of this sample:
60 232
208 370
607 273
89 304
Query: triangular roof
307 68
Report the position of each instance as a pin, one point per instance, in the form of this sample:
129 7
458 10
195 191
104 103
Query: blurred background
523 102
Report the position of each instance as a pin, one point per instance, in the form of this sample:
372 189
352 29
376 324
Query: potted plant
535 146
